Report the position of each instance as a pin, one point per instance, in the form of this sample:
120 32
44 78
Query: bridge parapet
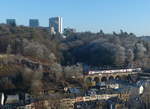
115 71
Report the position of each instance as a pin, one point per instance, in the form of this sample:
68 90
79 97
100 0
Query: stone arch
111 78
96 79
88 80
104 79
118 77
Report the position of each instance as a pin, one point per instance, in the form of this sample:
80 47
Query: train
115 71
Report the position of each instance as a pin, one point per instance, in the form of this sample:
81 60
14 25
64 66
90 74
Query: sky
84 15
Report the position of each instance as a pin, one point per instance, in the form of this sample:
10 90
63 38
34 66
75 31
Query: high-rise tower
56 23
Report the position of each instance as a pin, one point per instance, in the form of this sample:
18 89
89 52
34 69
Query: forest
87 48
68 56
99 49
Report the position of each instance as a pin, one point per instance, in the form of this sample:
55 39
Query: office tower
56 23
34 23
11 22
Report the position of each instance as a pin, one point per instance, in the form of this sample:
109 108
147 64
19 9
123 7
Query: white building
56 23
52 30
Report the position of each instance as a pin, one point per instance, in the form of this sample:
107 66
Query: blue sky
109 15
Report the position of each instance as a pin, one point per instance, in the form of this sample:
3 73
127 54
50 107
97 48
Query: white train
115 71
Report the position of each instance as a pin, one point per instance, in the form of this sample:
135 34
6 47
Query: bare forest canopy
96 49
100 49
66 56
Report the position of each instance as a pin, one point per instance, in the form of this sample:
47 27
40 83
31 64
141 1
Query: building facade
56 23
52 31
34 23
11 22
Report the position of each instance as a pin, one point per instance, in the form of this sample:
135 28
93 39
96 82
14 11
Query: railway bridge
106 75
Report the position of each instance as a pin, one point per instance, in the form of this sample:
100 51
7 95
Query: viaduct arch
108 77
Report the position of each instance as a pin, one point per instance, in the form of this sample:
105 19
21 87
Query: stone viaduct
105 75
